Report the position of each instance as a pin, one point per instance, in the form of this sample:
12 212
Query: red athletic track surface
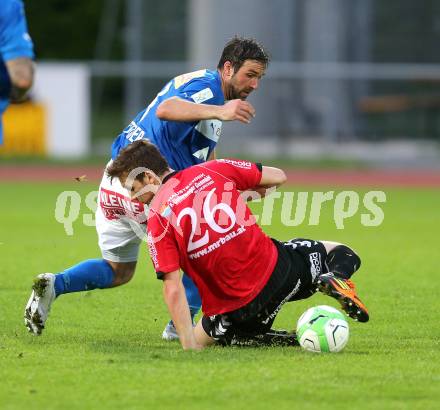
339 178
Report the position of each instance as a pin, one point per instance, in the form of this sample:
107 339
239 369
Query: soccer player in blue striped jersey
16 54
184 143
184 121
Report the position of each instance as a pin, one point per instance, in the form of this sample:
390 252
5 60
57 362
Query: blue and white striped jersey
183 144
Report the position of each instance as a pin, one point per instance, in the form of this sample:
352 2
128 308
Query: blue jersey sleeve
15 41
182 143
201 90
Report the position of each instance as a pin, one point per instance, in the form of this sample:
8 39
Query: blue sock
192 295
87 275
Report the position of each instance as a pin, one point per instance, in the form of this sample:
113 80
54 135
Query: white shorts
120 222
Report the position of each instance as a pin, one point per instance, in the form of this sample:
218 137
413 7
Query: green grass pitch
102 349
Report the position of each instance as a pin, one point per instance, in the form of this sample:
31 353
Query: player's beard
238 93
241 94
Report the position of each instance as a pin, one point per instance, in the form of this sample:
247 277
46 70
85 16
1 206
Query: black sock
343 261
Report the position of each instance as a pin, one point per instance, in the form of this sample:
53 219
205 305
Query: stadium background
351 101
344 83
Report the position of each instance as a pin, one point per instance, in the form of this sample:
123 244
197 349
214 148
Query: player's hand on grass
237 110
195 347
189 342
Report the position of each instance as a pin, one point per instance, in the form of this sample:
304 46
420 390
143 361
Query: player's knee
123 272
23 83
21 73
343 261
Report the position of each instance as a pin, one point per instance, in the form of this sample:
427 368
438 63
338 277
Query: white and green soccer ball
322 329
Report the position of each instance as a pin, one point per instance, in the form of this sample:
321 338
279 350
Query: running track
337 178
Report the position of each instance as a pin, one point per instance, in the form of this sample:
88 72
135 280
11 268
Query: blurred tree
164 33
406 31
66 29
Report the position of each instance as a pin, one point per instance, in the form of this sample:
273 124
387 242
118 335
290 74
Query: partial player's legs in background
192 295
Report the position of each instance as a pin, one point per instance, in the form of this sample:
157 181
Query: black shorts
299 262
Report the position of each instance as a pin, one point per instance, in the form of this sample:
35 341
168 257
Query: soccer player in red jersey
199 222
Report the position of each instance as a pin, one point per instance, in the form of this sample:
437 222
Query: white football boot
170 332
38 307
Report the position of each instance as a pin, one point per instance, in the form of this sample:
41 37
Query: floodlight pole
133 53
108 26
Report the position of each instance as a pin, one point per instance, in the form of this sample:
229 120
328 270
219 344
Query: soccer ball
322 329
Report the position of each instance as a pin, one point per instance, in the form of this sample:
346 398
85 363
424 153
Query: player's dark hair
239 49
138 154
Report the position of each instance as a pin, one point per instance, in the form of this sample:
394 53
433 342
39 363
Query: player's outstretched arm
177 109
272 177
175 298
21 73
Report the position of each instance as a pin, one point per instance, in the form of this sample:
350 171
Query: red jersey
199 222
